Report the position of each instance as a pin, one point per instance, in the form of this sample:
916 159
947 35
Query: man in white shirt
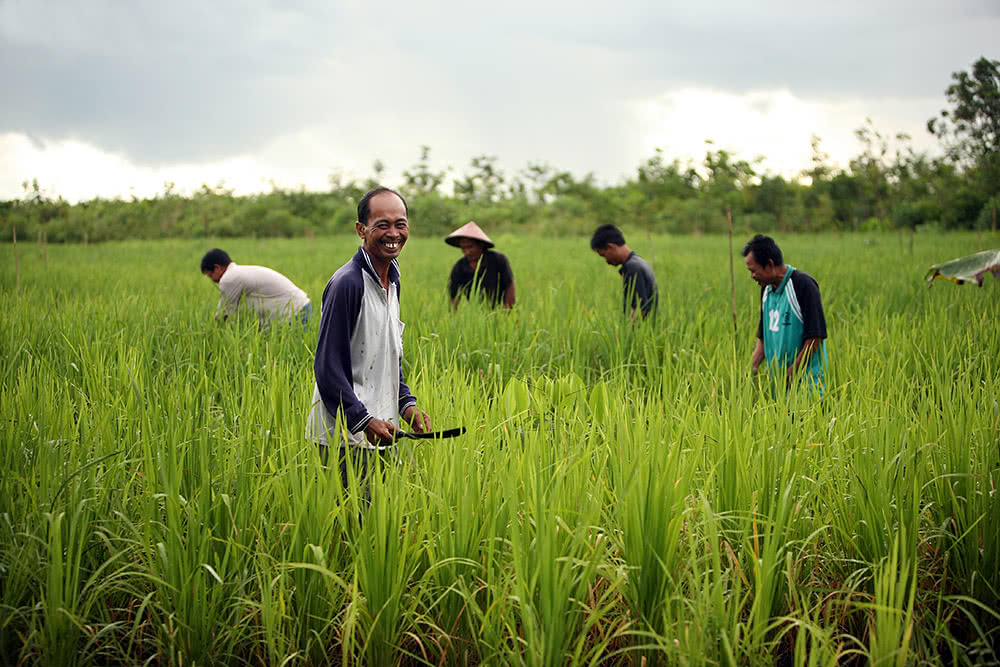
265 291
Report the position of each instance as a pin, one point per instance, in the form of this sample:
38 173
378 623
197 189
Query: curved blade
433 435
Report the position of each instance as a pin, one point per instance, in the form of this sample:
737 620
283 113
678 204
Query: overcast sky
113 98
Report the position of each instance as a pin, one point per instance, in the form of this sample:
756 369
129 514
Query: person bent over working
269 294
638 281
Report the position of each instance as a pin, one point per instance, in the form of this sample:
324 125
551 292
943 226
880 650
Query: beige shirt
267 292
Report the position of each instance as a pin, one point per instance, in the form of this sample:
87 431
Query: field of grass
624 495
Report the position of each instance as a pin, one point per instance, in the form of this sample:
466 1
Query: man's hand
380 432
417 419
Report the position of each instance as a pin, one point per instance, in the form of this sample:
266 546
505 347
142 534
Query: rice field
624 495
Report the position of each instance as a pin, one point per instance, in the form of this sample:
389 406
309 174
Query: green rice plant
624 490
653 475
702 623
965 502
556 549
891 627
460 505
386 555
61 590
804 634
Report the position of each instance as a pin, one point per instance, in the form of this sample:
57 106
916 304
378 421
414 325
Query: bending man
269 294
640 294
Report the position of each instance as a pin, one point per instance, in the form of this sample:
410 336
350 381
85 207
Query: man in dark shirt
480 268
639 283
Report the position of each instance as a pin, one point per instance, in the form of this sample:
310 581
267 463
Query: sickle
434 435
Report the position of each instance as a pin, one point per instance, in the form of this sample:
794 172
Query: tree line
888 185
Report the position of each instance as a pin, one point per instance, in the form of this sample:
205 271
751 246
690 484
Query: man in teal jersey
792 329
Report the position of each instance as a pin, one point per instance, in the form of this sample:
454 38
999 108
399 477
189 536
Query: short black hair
364 206
764 250
604 235
214 257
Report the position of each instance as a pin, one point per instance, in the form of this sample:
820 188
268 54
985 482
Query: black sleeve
807 292
645 291
506 275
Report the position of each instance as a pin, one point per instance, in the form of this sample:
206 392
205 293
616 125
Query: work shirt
791 313
639 285
359 353
265 291
492 276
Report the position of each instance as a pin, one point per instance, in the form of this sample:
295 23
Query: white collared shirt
265 291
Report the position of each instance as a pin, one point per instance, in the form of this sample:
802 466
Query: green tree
420 180
538 175
773 196
728 179
845 196
483 185
871 171
970 129
819 174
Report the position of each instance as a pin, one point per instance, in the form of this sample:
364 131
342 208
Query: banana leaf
971 268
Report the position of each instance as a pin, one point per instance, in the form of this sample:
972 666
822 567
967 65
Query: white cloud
776 125
77 171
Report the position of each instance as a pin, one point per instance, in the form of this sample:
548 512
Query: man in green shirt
791 332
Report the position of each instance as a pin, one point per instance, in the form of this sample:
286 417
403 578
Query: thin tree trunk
45 248
85 239
994 217
732 271
912 233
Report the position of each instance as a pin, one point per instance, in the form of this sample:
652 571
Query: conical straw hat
469 230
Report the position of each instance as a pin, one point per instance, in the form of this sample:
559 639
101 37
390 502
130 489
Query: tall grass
624 493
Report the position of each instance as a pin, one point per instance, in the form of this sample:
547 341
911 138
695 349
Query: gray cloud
190 81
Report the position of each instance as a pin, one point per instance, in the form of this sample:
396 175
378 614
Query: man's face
216 273
612 254
386 229
761 275
472 250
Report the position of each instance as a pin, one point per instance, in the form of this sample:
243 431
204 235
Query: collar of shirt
362 258
621 269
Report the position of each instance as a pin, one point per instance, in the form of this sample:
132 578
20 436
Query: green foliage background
887 186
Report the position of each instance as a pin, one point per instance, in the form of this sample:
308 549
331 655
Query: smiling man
359 353
791 331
